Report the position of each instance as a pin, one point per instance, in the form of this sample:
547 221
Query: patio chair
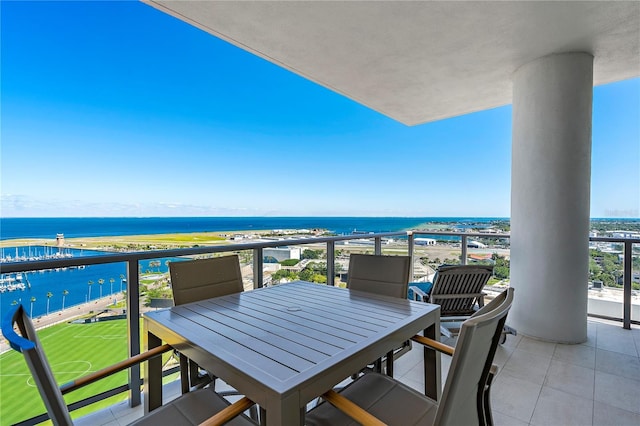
383 275
195 280
191 408
458 291
376 399
200 279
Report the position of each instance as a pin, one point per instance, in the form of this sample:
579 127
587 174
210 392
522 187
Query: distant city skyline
114 109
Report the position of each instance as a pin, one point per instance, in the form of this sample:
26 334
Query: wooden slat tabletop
291 340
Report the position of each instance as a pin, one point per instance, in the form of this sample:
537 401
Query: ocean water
37 284
75 280
12 228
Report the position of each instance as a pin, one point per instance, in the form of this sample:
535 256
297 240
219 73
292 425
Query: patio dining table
284 345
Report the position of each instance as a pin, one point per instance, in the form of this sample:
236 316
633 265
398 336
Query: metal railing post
331 263
410 252
378 245
463 257
133 322
258 268
626 302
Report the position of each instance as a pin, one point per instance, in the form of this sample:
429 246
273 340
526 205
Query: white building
424 242
475 244
282 253
625 234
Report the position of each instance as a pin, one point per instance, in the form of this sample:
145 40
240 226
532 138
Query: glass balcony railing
138 281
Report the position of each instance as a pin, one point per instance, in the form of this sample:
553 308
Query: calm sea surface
75 280
12 228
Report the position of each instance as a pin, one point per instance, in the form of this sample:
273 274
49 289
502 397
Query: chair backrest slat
459 279
384 275
200 279
462 397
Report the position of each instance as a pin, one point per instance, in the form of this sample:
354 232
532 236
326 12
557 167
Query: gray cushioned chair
378 399
201 279
384 275
192 408
195 280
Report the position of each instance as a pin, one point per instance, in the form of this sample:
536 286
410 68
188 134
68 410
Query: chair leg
507 330
263 416
196 379
488 417
390 364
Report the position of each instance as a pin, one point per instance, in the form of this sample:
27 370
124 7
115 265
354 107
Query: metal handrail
132 259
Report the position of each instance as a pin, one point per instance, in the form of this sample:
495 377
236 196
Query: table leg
285 412
184 374
432 368
152 375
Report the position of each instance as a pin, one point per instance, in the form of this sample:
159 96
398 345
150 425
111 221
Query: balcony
534 374
594 383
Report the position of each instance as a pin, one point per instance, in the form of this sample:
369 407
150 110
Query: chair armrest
225 415
123 365
351 409
441 347
433 344
418 293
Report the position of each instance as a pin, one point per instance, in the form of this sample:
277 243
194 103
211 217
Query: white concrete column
550 196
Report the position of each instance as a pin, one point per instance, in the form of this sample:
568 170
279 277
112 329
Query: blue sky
116 109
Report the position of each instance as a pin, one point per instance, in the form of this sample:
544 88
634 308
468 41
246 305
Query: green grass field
73 350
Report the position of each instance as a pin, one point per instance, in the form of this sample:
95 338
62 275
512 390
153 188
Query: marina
53 290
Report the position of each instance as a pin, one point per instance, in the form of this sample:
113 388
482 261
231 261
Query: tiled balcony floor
594 383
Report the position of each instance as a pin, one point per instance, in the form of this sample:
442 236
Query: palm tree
154 264
101 281
49 295
111 281
90 283
64 295
121 280
33 299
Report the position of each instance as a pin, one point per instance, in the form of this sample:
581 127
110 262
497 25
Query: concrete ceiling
422 61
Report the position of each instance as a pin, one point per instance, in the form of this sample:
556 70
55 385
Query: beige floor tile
101 417
581 355
514 397
617 391
607 415
408 361
572 379
618 363
537 347
414 384
591 340
500 419
503 353
616 340
527 366
557 408
129 418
